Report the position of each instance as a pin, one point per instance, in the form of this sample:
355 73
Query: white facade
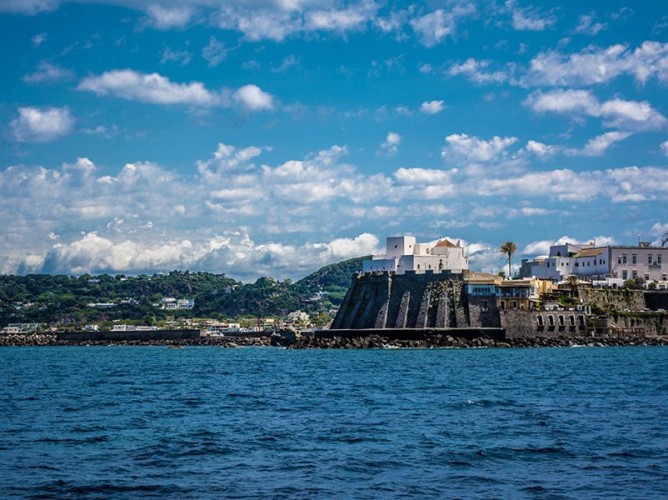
404 254
600 263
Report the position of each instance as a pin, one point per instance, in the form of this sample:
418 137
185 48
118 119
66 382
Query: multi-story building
600 263
404 254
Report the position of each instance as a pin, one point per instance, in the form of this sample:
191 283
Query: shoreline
337 342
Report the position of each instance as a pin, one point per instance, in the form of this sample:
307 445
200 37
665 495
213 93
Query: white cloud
38 39
541 150
542 247
432 107
589 26
102 131
529 19
473 149
432 28
215 52
615 113
253 98
29 7
41 124
476 71
288 63
169 17
180 56
664 147
391 145
353 17
564 101
594 65
203 220
151 88
157 89
631 115
599 145
47 72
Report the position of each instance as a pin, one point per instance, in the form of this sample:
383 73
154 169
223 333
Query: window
647 277
625 274
484 305
634 259
658 259
513 304
571 320
550 320
634 274
540 320
623 258
561 320
649 259
619 260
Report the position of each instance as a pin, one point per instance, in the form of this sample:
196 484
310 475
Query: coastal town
415 290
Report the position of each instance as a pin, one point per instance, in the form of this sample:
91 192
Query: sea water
128 422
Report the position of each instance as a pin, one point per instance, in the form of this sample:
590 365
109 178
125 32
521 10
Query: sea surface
204 422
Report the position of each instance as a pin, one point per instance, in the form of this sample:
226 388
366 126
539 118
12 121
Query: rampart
413 301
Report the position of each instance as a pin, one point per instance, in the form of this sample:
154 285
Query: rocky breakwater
52 340
447 341
32 339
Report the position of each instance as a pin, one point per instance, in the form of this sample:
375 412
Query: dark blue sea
128 422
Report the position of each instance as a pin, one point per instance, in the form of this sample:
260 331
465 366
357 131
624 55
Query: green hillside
76 301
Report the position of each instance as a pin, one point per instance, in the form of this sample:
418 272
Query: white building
177 304
608 263
404 254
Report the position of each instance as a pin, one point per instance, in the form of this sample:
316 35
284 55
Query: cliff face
430 300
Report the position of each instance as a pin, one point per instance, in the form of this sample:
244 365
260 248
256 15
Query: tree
508 248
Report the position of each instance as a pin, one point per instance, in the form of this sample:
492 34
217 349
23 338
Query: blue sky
271 137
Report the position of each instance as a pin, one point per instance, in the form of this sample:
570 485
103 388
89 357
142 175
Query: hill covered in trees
76 301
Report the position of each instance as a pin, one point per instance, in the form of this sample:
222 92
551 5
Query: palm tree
508 248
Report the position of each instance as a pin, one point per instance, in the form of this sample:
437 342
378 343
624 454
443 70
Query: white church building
404 254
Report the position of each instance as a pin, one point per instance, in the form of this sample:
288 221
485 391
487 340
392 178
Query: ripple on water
211 423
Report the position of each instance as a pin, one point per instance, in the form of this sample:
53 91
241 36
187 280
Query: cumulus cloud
615 113
432 107
41 124
432 28
151 87
157 89
473 149
148 218
542 247
391 145
595 65
541 150
477 72
599 145
253 98
232 250
169 17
